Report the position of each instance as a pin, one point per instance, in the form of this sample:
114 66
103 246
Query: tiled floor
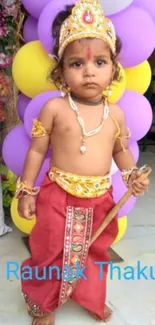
133 301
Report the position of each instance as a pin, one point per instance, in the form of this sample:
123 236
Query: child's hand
27 207
139 187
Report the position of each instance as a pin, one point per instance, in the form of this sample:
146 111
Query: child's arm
123 156
39 147
34 159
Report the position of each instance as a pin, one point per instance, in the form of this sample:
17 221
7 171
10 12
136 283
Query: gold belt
79 185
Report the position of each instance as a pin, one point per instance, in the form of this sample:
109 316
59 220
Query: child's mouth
90 85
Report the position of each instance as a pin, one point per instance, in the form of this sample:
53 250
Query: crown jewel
86 20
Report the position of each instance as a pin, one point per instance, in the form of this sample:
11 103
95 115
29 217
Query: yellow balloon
26 226
122 226
22 224
31 68
138 78
117 87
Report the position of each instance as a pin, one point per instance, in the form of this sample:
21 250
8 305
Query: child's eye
100 62
77 64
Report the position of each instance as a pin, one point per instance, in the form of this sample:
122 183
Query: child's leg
44 320
41 286
107 315
91 293
61 235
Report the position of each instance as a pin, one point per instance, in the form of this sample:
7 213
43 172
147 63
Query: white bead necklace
85 134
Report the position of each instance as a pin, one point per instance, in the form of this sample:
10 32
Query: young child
85 132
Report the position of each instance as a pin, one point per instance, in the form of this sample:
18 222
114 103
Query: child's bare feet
45 320
107 315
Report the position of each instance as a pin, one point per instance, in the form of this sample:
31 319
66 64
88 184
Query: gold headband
86 20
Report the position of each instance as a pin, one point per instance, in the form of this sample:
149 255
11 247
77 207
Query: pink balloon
46 21
131 25
14 151
35 7
119 190
148 5
23 101
138 113
30 32
35 106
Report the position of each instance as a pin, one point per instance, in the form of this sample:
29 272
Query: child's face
88 68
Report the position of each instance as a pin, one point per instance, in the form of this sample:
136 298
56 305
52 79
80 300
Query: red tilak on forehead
89 53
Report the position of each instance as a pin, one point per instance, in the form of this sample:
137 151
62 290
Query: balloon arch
33 62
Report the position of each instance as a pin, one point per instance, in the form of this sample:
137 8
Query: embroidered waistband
79 185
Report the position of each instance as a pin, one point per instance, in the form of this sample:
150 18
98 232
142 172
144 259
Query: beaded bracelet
23 190
126 173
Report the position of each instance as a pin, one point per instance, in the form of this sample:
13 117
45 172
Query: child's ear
58 73
61 75
113 71
56 76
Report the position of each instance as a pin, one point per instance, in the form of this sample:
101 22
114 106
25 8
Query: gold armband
38 130
128 136
22 189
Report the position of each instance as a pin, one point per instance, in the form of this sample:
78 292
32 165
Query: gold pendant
83 148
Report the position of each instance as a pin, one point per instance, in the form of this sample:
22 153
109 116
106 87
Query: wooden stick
117 207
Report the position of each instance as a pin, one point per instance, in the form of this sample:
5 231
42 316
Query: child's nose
89 71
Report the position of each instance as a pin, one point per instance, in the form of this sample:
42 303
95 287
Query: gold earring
64 90
109 91
63 94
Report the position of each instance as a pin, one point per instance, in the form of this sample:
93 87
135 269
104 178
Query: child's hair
59 19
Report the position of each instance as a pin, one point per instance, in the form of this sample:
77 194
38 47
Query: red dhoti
60 239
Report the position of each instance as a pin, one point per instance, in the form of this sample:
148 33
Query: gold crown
87 20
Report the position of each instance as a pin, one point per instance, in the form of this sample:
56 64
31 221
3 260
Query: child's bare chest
68 125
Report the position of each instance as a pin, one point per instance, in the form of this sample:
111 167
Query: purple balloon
44 169
23 101
30 29
35 7
148 5
138 113
132 25
15 148
119 190
119 187
33 110
46 20
135 151
35 106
